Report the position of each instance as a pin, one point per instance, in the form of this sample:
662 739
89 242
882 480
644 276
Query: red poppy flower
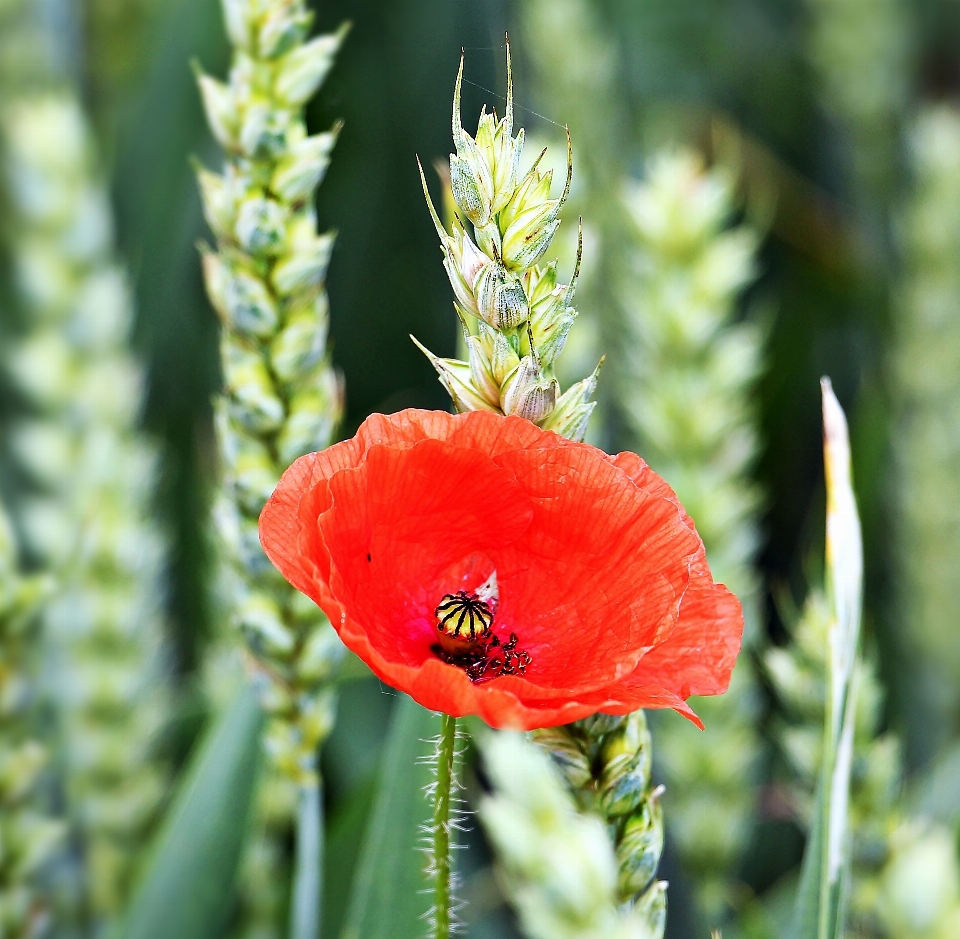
485 566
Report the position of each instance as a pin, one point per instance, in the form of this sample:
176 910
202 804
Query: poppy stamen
465 622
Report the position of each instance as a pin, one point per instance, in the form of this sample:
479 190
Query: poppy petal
601 576
402 520
591 595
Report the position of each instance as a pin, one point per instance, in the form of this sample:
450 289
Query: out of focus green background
814 102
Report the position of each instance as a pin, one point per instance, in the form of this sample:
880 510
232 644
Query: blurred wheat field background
769 192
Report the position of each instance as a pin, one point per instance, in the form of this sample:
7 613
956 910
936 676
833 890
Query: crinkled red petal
601 573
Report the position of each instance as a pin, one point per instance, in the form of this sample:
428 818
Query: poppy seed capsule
463 621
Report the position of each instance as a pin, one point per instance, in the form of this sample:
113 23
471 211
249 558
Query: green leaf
824 879
342 850
306 906
387 902
186 888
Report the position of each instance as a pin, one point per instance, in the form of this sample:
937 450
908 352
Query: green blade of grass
387 901
821 898
186 888
342 850
306 905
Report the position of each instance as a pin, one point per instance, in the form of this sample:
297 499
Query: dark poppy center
467 641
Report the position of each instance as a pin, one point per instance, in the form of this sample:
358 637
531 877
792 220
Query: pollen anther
464 622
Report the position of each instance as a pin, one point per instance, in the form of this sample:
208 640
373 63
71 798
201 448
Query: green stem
446 750
306 901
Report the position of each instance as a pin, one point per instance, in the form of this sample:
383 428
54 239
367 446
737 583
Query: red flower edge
600 573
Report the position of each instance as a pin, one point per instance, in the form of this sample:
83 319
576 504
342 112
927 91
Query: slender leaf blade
342 850
306 906
387 901
186 889
821 898
844 550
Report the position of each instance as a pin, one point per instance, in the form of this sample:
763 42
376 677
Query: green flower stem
306 907
446 751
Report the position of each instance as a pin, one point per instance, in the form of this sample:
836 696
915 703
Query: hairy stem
306 904
446 750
